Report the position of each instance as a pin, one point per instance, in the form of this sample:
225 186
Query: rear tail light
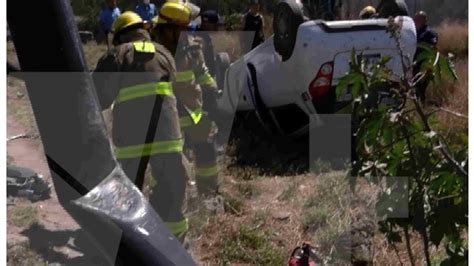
323 81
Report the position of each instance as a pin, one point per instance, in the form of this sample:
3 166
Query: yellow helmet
175 12
367 12
126 20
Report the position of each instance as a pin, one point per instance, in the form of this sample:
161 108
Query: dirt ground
29 153
266 214
258 203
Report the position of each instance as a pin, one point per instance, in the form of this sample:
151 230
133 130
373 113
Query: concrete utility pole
87 178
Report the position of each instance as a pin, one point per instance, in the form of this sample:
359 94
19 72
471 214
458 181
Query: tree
401 140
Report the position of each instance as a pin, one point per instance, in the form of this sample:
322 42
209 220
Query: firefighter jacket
195 88
136 78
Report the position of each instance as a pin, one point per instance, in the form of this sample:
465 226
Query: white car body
286 83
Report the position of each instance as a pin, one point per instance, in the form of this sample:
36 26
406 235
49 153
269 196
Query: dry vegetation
453 95
270 216
453 37
266 213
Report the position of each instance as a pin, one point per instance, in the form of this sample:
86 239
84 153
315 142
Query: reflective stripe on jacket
192 80
136 76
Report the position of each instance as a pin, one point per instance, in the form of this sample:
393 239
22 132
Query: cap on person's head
210 16
367 12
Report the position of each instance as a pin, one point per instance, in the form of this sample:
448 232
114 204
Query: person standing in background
209 23
107 16
146 10
426 36
253 21
329 7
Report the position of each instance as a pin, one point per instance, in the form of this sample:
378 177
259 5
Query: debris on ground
215 204
304 255
22 136
281 215
23 182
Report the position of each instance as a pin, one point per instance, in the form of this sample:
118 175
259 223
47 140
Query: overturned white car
292 76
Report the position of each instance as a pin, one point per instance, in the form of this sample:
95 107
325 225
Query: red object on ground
302 256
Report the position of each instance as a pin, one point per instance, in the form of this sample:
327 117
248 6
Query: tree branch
407 239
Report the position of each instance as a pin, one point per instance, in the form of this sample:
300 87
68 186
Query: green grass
233 205
332 191
250 245
23 216
198 221
19 106
245 173
327 212
320 167
289 192
260 217
315 218
248 190
93 52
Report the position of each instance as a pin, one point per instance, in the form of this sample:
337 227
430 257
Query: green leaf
384 60
458 200
356 85
345 82
446 69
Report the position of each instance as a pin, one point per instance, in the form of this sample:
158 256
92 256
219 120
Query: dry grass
93 52
453 96
23 216
254 195
268 29
229 42
397 254
263 217
285 212
328 216
22 254
453 37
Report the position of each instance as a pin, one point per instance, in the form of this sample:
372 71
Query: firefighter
145 118
367 13
195 90
209 23
425 36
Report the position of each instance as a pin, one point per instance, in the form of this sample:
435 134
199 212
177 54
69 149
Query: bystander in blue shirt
107 16
146 11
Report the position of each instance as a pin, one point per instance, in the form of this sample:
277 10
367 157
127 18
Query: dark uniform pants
170 173
200 137
169 167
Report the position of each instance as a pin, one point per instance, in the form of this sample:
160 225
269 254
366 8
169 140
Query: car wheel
393 8
222 63
287 18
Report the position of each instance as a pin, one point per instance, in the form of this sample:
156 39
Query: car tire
393 9
288 17
222 63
